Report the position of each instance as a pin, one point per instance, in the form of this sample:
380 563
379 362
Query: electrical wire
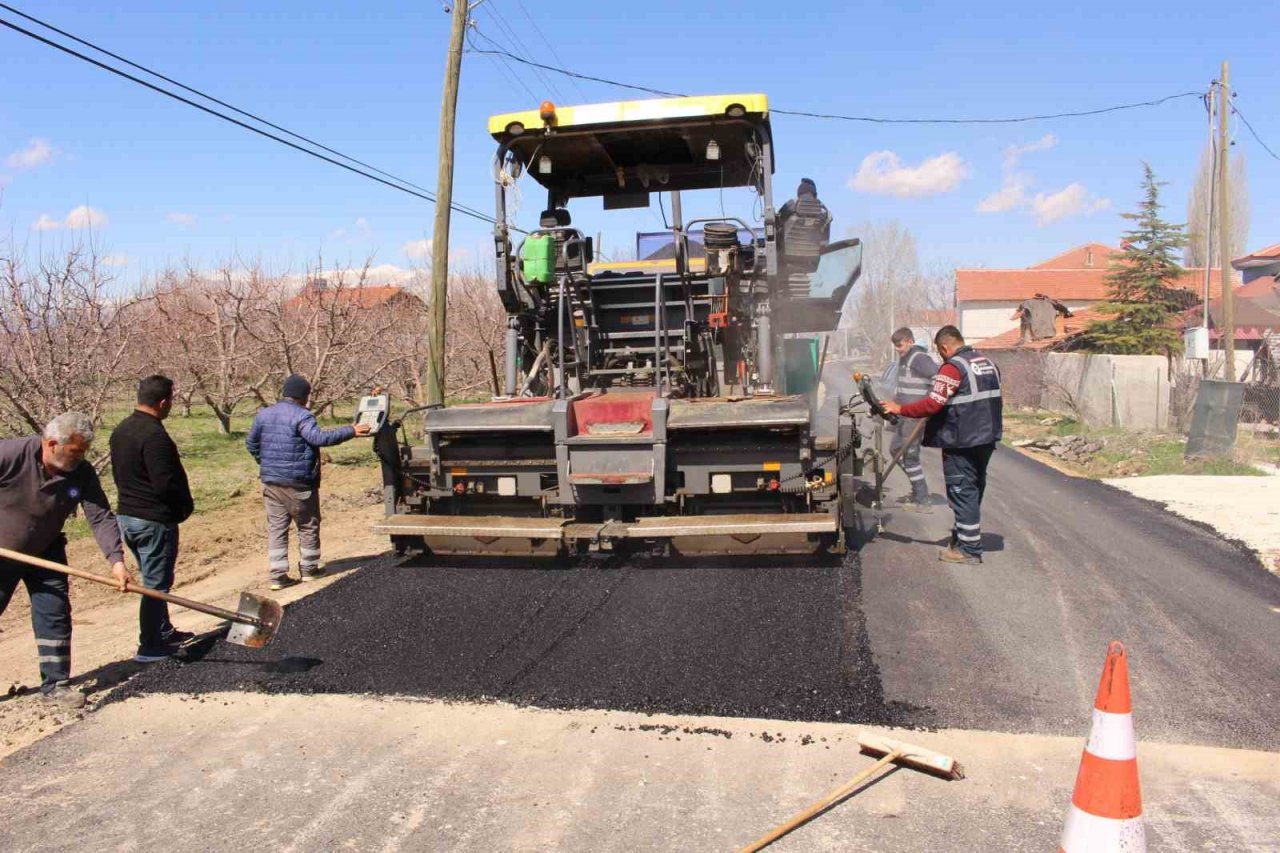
1253 132
501 61
854 118
395 182
554 53
500 20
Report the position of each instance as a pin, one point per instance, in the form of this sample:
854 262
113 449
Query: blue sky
163 183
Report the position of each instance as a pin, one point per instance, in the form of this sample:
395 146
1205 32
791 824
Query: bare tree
62 339
1202 246
330 331
204 334
474 341
893 289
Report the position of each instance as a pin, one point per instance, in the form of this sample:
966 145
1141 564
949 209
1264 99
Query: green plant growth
1143 285
218 465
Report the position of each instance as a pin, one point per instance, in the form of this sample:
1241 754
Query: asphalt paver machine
666 403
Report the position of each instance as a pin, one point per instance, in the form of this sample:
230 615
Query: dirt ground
222 553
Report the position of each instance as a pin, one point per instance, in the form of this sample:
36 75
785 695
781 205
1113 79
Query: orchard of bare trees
72 337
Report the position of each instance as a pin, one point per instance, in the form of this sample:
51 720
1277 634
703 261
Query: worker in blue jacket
286 440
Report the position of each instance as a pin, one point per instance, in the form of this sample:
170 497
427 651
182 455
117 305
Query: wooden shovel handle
42 563
825 803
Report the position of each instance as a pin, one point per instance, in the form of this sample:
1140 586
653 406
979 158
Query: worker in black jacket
154 498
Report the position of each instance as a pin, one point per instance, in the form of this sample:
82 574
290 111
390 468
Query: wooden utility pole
444 201
1224 227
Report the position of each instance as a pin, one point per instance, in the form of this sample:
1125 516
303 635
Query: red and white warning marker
1106 808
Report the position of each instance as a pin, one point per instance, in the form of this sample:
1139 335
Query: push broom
890 752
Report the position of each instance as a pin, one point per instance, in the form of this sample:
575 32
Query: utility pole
444 202
1224 227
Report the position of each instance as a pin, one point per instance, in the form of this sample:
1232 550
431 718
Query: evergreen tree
1143 285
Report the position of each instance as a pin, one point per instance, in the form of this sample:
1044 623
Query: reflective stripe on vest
973 395
911 386
973 415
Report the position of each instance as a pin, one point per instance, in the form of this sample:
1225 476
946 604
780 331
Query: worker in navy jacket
965 413
286 440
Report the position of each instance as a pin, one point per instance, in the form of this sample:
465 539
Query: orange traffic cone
1106 808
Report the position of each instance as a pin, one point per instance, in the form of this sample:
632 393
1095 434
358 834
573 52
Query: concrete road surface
1003 659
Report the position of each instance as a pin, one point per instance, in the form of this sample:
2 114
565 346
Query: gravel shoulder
1244 509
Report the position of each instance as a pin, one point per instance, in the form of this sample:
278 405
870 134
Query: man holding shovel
43 479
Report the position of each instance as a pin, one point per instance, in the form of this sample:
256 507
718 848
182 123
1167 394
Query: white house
987 298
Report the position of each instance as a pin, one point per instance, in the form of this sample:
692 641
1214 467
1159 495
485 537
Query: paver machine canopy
667 399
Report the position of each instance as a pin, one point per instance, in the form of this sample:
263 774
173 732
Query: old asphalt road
694 706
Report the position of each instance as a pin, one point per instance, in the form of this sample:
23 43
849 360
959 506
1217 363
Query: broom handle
825 803
897 457
129 587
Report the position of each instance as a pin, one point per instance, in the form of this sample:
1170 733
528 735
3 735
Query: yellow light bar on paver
669 264
772 466
622 112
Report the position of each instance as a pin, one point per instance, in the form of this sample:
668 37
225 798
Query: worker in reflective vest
965 415
915 377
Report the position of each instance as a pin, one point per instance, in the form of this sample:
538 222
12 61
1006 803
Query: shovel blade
262 620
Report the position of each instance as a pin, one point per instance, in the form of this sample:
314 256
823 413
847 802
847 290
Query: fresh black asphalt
887 636
784 641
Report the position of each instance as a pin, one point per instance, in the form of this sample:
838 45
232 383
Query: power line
855 118
1264 145
500 62
395 182
500 20
554 53
1014 120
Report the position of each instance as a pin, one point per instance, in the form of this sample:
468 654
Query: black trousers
966 473
50 611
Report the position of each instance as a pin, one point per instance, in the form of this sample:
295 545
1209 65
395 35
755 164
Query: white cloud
79 217
37 153
1012 194
183 219
417 250
883 173
1014 153
359 229
388 274
85 216
115 261
1071 200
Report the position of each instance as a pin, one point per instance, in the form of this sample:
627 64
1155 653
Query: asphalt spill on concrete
781 641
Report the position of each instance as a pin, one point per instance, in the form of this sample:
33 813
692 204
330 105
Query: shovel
253 624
